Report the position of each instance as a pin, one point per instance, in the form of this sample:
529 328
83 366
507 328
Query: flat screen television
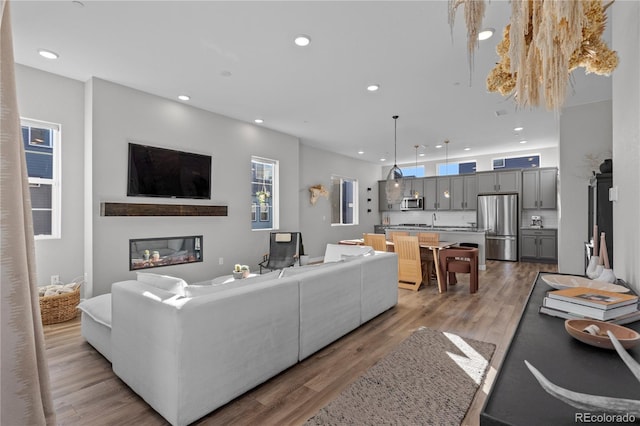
161 172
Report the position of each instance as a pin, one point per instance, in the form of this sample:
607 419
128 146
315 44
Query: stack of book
582 302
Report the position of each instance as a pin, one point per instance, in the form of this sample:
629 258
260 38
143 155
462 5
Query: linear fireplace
163 251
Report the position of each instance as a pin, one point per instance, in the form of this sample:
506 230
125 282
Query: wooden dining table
435 249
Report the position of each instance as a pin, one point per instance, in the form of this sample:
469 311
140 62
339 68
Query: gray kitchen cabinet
539 189
413 185
539 245
383 204
464 192
497 182
444 186
430 193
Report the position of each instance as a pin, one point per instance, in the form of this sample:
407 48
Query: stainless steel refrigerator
498 217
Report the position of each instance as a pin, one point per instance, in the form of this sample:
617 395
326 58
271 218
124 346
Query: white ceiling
317 93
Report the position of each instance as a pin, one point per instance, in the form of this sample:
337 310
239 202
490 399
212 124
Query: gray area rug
429 379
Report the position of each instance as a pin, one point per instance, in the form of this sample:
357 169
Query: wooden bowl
627 337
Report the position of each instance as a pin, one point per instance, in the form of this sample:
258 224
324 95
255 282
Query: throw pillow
164 282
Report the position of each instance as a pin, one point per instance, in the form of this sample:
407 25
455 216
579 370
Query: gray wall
48 97
585 133
120 114
317 167
626 141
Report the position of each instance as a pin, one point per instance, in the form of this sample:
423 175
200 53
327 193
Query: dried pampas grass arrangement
473 15
545 41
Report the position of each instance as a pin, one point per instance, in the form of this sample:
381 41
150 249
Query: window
42 150
456 168
264 193
344 201
413 171
524 162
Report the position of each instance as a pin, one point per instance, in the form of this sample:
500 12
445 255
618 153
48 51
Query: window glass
524 162
264 186
413 171
344 201
453 169
42 147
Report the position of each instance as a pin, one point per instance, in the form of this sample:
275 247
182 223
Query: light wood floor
86 391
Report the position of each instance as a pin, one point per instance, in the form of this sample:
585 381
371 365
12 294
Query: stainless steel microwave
410 203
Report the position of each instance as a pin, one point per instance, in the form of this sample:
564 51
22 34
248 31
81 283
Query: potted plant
262 195
245 271
237 271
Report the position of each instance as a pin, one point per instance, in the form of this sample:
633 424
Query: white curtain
26 397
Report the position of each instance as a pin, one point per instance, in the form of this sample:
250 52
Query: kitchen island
459 234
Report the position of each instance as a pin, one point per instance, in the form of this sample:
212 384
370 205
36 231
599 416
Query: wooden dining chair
462 260
428 262
377 241
393 234
409 264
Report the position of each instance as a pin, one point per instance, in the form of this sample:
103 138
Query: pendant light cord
395 140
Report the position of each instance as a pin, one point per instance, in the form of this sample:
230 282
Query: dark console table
516 398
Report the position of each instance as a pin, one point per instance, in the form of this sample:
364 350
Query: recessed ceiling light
438 146
485 34
523 141
518 129
302 40
421 154
184 97
373 87
258 121
383 159
360 152
48 54
467 149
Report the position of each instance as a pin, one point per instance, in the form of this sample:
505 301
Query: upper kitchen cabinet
430 193
539 188
444 193
498 182
383 204
464 192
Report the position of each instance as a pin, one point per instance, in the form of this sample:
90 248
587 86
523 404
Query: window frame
256 207
356 207
515 157
56 175
439 166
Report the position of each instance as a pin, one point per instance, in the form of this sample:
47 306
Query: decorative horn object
607 274
595 403
594 260
585 401
316 192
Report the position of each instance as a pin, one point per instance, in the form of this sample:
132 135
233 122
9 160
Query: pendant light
446 167
416 193
394 187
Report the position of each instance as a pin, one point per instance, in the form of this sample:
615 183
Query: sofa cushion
336 252
98 308
195 290
164 282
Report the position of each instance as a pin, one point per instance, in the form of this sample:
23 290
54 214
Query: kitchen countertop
428 228
534 228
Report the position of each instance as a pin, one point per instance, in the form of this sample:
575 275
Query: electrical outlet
220 261
55 279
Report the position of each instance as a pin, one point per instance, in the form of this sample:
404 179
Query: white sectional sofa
187 350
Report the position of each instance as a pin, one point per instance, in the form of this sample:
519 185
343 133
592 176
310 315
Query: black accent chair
285 249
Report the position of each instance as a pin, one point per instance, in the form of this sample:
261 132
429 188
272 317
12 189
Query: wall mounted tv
161 172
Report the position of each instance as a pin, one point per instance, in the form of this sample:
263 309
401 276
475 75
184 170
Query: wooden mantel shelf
139 209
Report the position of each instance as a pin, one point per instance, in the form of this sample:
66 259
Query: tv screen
161 172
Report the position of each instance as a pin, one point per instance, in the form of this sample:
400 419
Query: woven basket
59 307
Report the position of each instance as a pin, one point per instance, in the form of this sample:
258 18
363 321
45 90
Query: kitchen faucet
433 219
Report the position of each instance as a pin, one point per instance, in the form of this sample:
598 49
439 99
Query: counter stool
463 260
